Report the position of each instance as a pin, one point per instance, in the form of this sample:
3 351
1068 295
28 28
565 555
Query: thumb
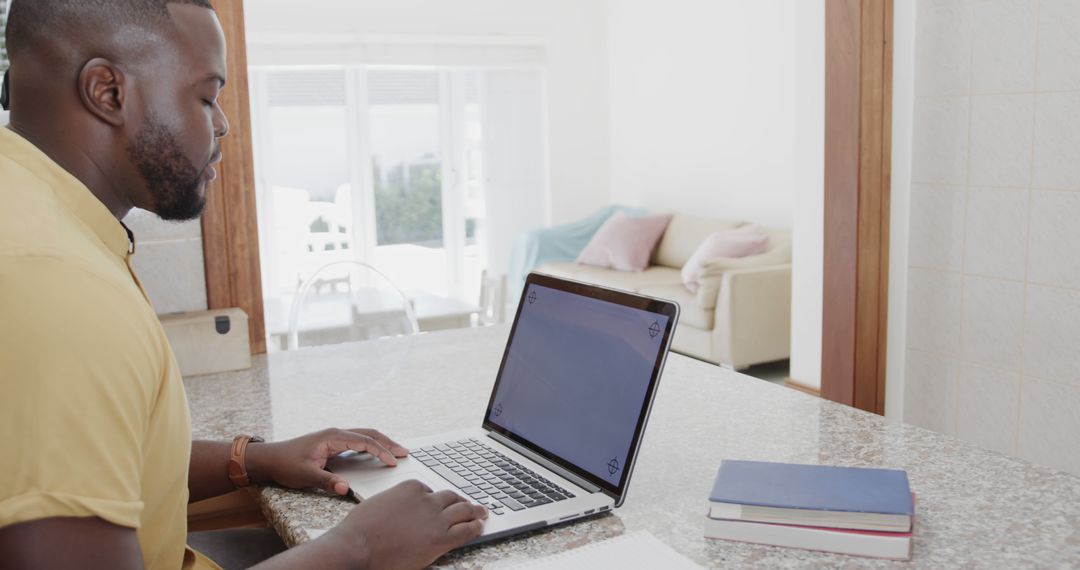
333 483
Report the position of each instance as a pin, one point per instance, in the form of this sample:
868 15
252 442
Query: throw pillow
732 243
625 243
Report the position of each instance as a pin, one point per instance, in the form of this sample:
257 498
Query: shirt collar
72 193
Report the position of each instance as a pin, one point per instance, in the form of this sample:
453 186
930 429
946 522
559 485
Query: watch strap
237 467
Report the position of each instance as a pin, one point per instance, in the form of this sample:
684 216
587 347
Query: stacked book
850 510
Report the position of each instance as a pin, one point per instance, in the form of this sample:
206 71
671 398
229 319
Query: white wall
573 33
513 115
900 199
701 109
993 288
717 108
808 219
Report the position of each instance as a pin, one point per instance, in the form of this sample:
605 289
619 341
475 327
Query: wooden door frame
229 222
858 149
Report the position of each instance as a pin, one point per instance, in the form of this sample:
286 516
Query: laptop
565 418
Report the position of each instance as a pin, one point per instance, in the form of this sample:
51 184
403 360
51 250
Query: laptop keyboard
489 477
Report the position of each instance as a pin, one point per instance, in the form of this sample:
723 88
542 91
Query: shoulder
60 312
31 213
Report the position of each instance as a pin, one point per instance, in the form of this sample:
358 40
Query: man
114 106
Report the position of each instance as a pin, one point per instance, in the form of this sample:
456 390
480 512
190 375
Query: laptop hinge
562 471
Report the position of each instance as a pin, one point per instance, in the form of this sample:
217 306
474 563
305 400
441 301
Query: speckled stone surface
976 508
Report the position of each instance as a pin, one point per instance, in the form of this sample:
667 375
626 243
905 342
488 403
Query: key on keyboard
489 477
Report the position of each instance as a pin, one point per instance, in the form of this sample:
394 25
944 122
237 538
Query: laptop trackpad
368 476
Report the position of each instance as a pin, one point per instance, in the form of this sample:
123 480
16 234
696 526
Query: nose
221 123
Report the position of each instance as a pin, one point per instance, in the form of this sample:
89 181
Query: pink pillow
741 242
625 243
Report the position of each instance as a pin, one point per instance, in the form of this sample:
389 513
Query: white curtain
515 148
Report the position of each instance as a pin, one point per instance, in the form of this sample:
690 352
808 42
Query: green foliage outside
320 225
408 209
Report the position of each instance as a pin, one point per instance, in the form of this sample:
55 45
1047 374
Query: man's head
123 92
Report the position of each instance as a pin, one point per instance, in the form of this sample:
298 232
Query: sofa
741 313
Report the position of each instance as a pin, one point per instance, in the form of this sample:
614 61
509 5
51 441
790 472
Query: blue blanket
557 243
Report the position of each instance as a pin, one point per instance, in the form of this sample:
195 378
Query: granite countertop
976 508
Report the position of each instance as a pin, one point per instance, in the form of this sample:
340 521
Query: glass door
302 148
407 153
380 165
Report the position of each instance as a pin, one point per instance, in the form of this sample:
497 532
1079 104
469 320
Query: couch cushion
625 243
778 252
623 280
566 269
692 313
779 245
711 275
683 236
741 242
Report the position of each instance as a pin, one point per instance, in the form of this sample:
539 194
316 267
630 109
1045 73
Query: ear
102 90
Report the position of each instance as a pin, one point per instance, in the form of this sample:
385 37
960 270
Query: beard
170 176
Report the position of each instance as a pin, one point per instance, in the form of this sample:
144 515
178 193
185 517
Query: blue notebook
813 487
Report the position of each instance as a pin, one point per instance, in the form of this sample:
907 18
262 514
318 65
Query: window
381 164
303 178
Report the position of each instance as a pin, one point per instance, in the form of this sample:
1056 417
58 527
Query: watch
237 467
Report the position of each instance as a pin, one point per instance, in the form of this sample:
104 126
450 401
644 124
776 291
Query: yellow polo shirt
93 415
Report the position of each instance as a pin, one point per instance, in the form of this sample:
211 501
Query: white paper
635 550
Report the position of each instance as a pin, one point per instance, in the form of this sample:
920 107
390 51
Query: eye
208 103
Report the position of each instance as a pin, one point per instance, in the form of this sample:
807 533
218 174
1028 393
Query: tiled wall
993 339
169 262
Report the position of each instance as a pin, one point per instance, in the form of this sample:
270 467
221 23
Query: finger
446 497
464 512
395 447
332 483
463 532
341 441
415 484
385 441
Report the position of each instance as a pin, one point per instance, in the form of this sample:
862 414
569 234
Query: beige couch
740 316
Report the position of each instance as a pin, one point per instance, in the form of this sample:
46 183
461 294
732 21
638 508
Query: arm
296 463
207 474
406 526
89 543
74 416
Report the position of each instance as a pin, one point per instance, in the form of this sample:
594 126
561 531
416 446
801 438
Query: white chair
372 306
492 299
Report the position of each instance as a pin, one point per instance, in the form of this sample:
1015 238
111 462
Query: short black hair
29 20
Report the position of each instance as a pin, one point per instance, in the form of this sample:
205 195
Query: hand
299 463
407 526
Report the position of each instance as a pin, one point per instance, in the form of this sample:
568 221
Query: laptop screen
578 375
